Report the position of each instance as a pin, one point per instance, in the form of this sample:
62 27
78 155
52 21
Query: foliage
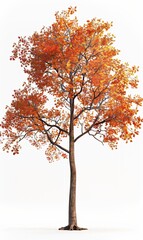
67 62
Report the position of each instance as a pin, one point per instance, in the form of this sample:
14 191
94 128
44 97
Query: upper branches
68 62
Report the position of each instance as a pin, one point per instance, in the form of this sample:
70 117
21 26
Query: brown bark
72 195
72 224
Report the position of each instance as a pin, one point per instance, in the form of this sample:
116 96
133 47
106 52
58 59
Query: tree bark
72 218
72 195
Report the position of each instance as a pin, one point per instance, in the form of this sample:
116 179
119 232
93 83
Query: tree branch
49 137
92 125
54 143
94 135
90 107
83 83
53 126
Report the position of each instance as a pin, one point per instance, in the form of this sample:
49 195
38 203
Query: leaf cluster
67 62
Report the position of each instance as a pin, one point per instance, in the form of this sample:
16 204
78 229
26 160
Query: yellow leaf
68 64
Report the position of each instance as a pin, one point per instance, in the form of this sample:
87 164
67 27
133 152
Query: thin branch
53 126
90 107
54 143
83 83
81 124
92 125
83 133
43 121
21 137
46 131
57 137
95 137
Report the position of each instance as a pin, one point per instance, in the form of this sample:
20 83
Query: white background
33 192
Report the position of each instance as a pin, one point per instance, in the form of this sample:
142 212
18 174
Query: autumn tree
75 86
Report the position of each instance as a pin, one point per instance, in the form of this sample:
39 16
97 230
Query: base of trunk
72 227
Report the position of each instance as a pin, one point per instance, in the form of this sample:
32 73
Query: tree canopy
73 76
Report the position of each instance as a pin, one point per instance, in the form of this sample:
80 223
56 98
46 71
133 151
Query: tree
76 85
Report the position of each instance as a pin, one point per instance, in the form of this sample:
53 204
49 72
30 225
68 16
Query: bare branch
95 123
83 133
94 135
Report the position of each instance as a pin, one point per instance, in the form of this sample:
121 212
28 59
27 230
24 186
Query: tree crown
71 68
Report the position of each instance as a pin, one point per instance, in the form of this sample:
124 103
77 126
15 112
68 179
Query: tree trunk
72 195
72 224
